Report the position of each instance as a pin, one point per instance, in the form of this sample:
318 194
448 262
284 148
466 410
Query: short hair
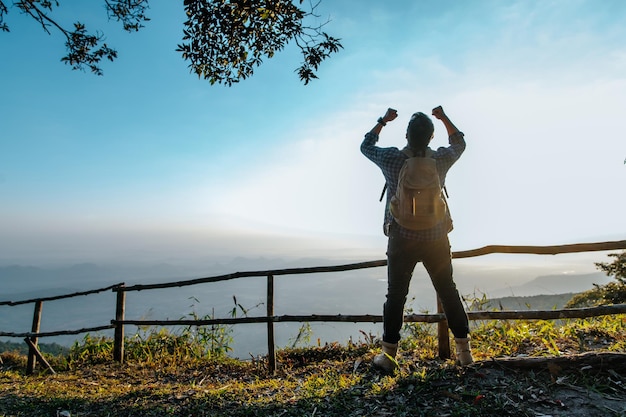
420 131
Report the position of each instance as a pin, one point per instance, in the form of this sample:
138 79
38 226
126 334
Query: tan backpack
418 203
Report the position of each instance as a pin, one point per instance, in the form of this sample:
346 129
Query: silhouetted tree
223 40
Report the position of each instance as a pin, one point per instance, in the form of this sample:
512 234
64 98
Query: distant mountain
532 302
86 276
554 284
20 279
28 280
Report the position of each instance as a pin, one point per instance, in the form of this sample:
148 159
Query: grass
176 375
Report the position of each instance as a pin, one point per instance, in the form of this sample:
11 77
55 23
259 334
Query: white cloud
540 164
308 184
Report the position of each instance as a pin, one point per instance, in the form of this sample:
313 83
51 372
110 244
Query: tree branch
28 7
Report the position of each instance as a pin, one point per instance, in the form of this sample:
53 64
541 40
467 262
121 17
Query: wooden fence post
120 307
271 352
442 333
32 354
38 354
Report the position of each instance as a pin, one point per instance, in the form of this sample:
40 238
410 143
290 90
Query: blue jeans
402 256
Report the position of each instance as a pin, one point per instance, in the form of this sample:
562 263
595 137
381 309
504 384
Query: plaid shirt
390 161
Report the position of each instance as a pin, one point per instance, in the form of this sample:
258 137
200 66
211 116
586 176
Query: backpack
418 203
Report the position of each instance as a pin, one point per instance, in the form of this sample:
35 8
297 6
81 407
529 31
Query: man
406 247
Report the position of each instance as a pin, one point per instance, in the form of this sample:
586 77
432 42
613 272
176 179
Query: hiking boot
463 351
386 360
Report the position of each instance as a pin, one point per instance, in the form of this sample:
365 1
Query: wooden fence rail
120 322
60 297
59 332
569 313
542 250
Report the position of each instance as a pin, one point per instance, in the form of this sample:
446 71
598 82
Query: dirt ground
584 385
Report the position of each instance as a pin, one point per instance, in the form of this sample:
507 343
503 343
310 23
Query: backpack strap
411 154
408 152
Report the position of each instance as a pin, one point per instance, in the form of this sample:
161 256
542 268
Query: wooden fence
119 323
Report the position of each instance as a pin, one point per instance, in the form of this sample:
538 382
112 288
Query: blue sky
149 162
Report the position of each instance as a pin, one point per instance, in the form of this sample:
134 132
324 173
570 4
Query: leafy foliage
131 13
611 293
81 53
223 40
226 40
